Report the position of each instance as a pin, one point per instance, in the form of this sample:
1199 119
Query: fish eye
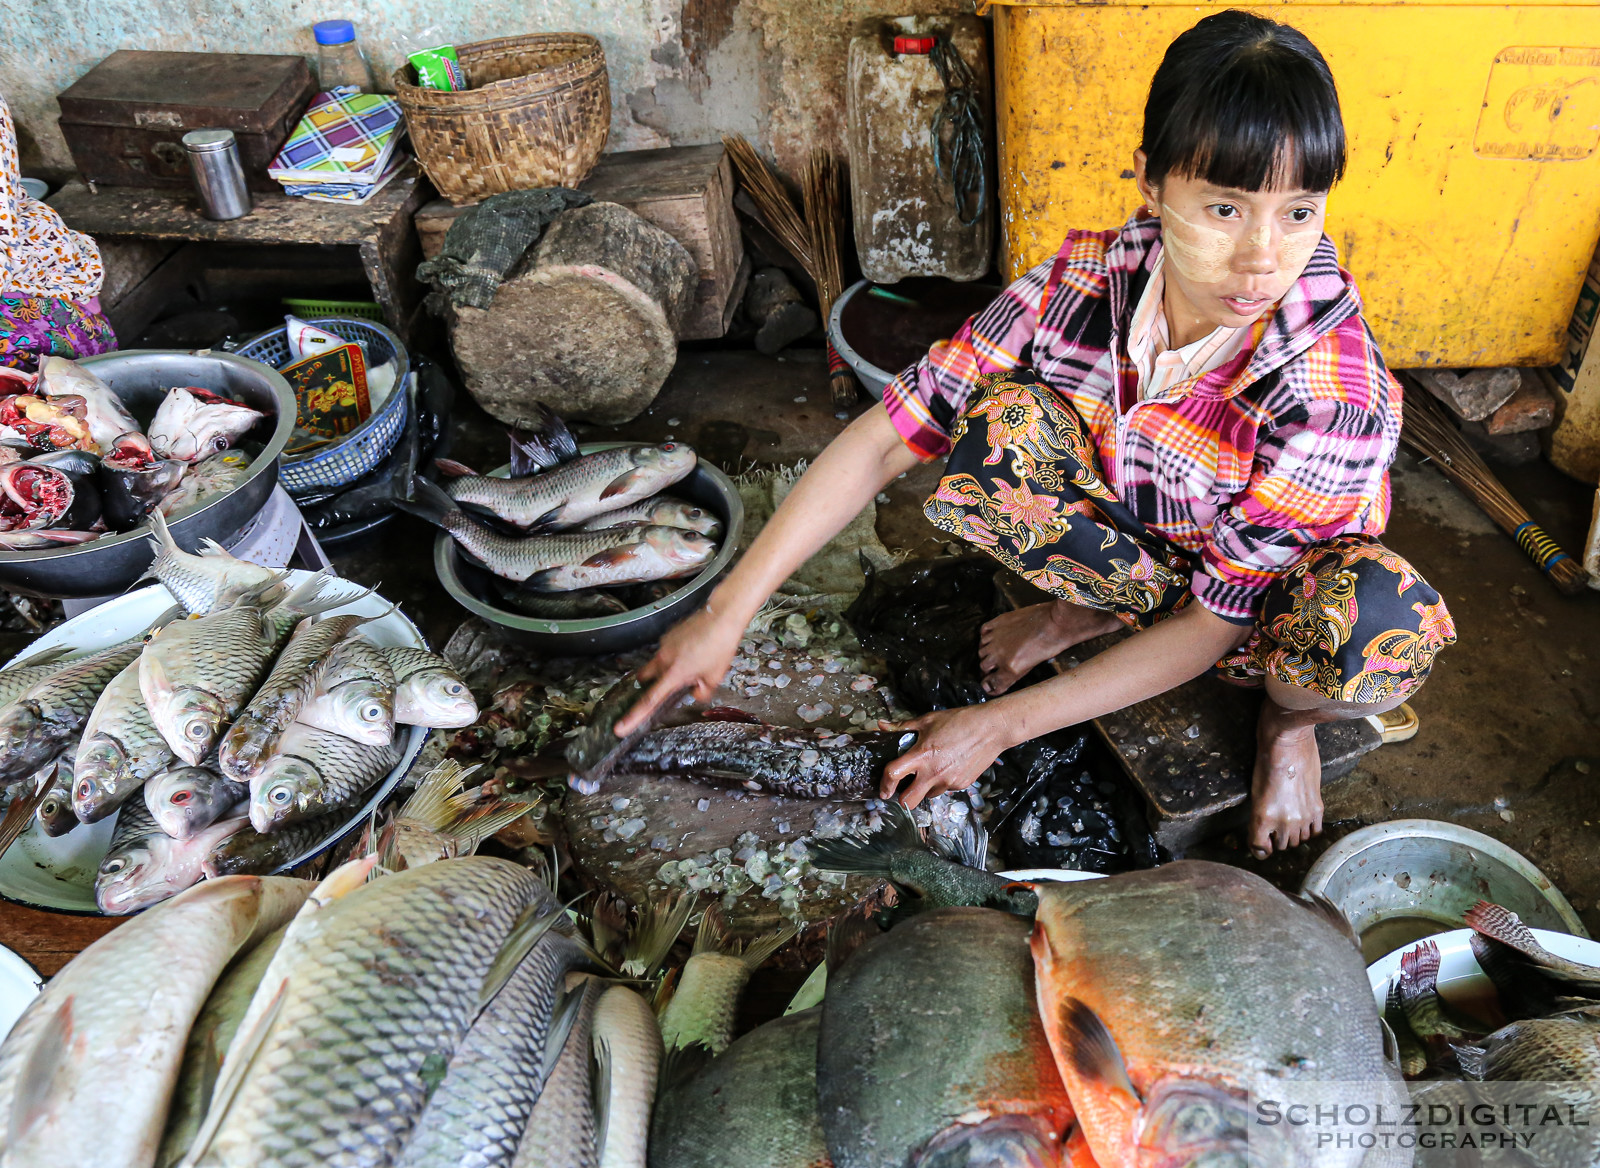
372 712
669 446
197 730
179 798
85 789
112 867
280 796
455 689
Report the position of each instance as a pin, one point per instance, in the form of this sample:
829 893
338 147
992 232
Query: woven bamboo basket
536 114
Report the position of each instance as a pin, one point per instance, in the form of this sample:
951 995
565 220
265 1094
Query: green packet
438 68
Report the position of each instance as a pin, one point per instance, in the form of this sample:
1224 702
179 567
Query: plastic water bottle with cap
340 60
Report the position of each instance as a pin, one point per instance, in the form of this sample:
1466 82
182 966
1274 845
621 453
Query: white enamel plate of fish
1462 982
59 873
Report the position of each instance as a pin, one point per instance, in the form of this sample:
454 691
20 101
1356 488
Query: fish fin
36 1084
213 550
245 1047
1092 1051
846 935
601 1086
541 442
540 581
680 1064
312 599
712 935
427 501
611 557
452 469
210 1068
532 923
1503 925
161 541
811 991
342 881
758 950
154 684
1419 974
44 657
660 923
870 855
1320 905
624 482
433 804
563 1018
480 821
1391 1042
1471 1060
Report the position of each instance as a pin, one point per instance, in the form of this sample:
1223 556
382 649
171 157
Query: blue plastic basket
369 443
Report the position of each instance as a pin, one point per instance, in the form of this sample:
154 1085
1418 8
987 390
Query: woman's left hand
953 748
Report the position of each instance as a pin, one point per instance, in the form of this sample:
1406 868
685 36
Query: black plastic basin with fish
473 588
141 378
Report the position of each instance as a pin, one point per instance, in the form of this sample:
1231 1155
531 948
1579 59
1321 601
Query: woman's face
1232 254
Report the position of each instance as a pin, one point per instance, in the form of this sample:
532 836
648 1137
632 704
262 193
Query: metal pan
141 377
470 585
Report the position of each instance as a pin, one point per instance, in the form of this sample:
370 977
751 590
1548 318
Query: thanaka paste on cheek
1202 254
1294 250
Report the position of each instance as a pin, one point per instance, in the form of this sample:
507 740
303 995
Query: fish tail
541 442
660 922
428 502
436 801
1419 975
1503 925
870 855
1472 1060
161 542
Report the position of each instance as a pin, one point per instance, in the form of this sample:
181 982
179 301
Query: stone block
1530 408
1473 394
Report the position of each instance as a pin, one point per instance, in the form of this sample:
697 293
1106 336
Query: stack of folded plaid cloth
344 149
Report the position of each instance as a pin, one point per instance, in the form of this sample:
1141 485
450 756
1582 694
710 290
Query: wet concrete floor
1510 737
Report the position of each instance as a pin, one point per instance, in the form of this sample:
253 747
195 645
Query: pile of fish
572 535
434 1017
74 463
234 741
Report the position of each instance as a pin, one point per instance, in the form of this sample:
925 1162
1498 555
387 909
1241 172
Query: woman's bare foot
1014 642
1286 789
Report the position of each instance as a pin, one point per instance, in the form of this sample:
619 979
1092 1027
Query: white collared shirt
1149 342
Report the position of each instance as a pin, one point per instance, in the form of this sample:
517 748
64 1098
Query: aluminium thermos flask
218 173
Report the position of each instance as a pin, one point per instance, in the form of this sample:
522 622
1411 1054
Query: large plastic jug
907 218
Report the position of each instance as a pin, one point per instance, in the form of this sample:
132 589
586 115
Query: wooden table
380 230
48 940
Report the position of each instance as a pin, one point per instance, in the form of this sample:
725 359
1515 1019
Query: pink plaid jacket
1287 445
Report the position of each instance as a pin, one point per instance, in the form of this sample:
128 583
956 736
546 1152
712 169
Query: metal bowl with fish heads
473 587
141 378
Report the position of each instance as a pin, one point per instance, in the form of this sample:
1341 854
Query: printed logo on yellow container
1542 104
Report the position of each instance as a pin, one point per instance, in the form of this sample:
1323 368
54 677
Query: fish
930 1049
204 582
478 1112
248 852
134 482
197 675
216 474
442 820
428 691
83 472
566 495
704 1006
923 878
565 561
15 680
755 1105
107 418
661 511
770 759
144 865
192 423
541 441
120 749
582 604
37 725
594 750
389 975
314 772
1503 927
561 1126
56 816
34 495
249 742
627 1057
23 541
1271 995
86 1071
1561 1048
213 1029
185 799
1418 991
353 694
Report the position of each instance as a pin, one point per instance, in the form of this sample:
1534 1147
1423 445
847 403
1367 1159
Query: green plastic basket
365 309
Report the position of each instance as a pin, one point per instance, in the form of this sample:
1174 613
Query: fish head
38 494
137 876
56 815
18 724
437 698
100 770
190 719
363 709
682 549
669 458
1195 1122
677 513
180 798
288 789
1000 1141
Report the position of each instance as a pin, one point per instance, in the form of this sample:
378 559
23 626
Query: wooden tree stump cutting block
586 322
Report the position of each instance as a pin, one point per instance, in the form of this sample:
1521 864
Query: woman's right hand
694 655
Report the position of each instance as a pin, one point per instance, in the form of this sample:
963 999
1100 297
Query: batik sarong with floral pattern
1350 620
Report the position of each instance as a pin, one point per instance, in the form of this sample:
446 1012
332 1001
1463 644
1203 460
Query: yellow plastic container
1471 202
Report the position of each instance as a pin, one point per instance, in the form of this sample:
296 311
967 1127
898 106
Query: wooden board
687 191
1190 751
48 940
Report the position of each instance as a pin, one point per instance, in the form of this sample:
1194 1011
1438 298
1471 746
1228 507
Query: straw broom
814 236
1431 432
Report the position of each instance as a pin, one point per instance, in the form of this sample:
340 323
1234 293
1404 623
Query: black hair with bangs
1244 102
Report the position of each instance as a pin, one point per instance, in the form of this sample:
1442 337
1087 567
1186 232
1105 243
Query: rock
1474 394
1504 449
586 322
774 306
1530 408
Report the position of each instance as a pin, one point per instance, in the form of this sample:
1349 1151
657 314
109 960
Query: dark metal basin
140 377
470 585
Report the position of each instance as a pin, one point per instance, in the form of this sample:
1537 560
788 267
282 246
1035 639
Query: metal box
124 120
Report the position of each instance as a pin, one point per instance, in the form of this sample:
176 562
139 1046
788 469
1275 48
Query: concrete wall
682 71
